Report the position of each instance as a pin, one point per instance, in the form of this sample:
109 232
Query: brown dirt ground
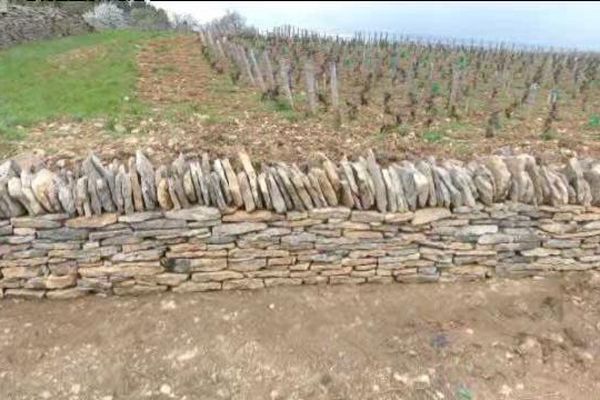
517 340
193 109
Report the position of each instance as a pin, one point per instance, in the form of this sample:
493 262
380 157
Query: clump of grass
79 76
432 136
549 135
283 108
594 121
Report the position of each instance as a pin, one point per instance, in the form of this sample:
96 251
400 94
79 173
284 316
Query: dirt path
173 71
517 340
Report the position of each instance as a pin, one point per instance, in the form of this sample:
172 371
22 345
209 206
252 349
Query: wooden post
257 73
284 72
269 68
335 99
309 75
244 59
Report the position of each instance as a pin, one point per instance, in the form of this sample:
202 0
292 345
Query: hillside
117 91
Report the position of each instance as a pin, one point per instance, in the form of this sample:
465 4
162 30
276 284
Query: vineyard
400 85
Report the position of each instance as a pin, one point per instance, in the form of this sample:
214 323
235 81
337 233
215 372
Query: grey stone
428 215
136 189
238 228
501 175
251 174
378 182
246 192
146 173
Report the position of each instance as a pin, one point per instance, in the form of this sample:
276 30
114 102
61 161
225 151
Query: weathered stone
414 184
170 279
251 174
187 287
558 228
20 272
257 216
232 182
289 188
20 189
277 199
146 174
264 190
315 189
362 234
365 184
561 244
196 265
428 215
501 175
122 270
325 186
476 230
247 264
574 174
123 181
66 294
200 213
24 293
136 189
238 228
243 284
330 213
246 192
297 180
218 276
62 234
379 185
144 255
42 185
92 222
60 282
494 238
367 216
163 196
541 252
271 282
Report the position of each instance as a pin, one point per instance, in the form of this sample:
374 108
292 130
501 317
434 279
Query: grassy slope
79 76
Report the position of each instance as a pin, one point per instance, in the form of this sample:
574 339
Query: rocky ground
526 339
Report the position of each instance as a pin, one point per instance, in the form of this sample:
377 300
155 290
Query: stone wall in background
22 24
210 224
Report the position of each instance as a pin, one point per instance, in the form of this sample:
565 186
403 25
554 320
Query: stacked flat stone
201 224
95 188
201 249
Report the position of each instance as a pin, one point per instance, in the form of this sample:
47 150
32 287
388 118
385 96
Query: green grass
283 108
432 136
77 77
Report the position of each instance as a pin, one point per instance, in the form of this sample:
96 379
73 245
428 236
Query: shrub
149 18
106 16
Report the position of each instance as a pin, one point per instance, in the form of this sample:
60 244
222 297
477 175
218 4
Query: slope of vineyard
456 93
288 95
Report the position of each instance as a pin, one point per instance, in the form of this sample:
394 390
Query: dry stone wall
21 24
200 224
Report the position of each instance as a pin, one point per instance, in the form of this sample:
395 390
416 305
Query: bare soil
526 339
193 109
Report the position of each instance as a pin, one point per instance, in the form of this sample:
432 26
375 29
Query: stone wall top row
93 188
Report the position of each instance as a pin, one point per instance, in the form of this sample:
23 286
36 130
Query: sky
555 24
